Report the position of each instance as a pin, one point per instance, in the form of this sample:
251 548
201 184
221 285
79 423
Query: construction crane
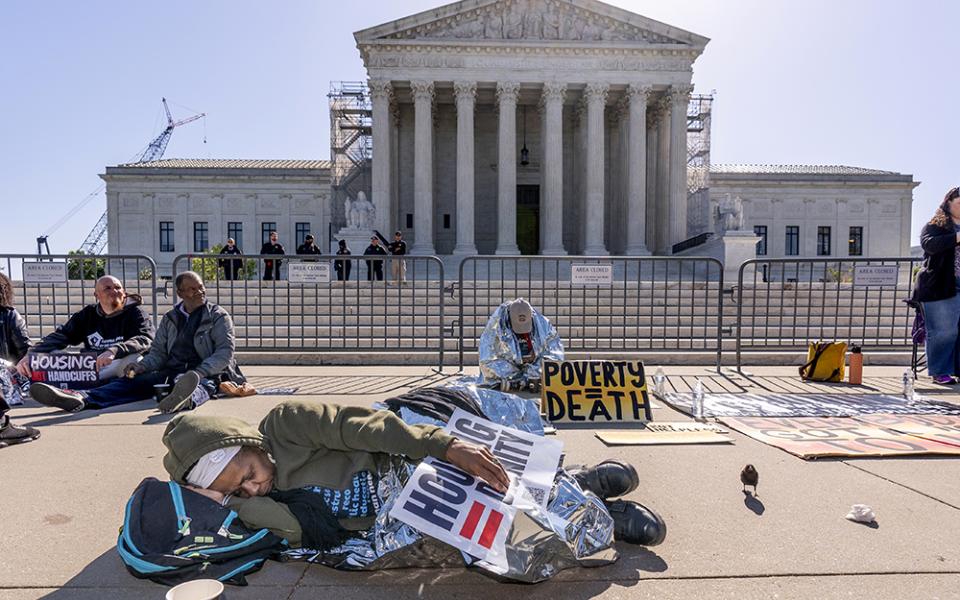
96 240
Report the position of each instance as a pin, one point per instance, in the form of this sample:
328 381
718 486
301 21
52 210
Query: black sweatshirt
127 331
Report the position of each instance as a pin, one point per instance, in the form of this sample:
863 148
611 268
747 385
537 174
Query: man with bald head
116 326
193 353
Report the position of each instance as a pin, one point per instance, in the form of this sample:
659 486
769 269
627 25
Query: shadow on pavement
753 503
58 417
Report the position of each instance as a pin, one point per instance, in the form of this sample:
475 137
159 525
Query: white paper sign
591 274
443 502
308 272
869 275
44 272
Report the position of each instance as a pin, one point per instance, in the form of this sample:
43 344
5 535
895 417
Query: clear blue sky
856 82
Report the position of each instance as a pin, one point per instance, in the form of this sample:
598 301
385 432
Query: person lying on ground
116 326
193 351
326 457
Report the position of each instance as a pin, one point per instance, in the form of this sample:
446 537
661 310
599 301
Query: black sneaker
11 434
48 395
609 479
180 396
634 523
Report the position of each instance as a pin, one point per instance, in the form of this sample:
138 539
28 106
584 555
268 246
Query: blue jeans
124 391
943 336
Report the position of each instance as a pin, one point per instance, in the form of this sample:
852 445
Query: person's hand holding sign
134 370
23 367
105 358
479 462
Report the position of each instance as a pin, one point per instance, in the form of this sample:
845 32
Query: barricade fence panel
49 289
327 303
601 304
783 304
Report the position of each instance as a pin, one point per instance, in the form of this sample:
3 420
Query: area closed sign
309 272
594 391
591 274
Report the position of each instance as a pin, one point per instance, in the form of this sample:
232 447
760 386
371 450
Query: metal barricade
49 289
311 305
613 304
783 304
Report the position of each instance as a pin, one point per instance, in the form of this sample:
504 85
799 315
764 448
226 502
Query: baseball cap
521 316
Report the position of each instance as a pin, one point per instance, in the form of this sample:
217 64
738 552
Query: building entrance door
528 218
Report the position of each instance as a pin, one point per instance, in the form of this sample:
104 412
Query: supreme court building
514 126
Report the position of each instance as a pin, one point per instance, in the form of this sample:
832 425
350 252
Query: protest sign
667 433
74 371
809 405
308 272
938 428
44 272
813 437
594 391
446 503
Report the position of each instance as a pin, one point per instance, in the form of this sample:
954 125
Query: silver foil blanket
500 358
575 530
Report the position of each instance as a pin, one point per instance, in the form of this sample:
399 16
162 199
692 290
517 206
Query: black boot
634 523
11 434
609 479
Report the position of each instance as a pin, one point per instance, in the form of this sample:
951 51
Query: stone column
651 174
596 94
679 99
637 171
507 94
552 99
664 211
381 92
465 94
423 168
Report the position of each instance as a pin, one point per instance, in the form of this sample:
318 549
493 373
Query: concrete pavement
62 499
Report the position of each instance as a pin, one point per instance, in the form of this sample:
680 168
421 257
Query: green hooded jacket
311 444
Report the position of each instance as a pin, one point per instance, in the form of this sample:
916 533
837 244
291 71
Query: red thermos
855 375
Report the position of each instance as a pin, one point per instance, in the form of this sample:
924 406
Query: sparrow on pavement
749 476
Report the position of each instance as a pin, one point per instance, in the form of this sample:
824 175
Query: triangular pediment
513 21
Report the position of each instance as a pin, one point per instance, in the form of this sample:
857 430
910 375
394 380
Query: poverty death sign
74 371
446 503
594 391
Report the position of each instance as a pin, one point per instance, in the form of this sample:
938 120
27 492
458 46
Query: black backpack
171 535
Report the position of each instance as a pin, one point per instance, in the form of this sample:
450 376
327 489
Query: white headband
210 465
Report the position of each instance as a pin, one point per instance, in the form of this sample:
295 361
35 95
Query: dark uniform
271 268
374 267
231 267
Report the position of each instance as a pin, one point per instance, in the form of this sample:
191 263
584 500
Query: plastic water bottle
698 400
908 386
659 380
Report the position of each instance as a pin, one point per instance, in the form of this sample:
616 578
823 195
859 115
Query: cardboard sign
870 275
667 433
308 272
591 274
813 437
44 272
594 391
74 371
808 405
443 502
944 429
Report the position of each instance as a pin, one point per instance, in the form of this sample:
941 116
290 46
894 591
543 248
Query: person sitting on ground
116 326
14 343
322 455
937 286
513 344
194 350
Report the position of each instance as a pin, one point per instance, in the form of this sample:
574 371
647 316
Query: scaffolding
699 117
351 145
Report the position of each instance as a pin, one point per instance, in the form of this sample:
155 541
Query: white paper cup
198 589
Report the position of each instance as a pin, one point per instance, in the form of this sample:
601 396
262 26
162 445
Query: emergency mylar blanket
499 349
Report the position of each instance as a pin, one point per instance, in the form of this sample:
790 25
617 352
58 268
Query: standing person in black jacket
375 267
398 268
271 267
342 267
232 267
14 343
116 326
308 247
937 285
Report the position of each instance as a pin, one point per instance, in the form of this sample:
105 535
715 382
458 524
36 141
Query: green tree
87 268
208 265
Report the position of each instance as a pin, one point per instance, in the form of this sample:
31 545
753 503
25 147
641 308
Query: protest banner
446 503
813 437
808 405
594 391
66 370
938 428
650 433
308 272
